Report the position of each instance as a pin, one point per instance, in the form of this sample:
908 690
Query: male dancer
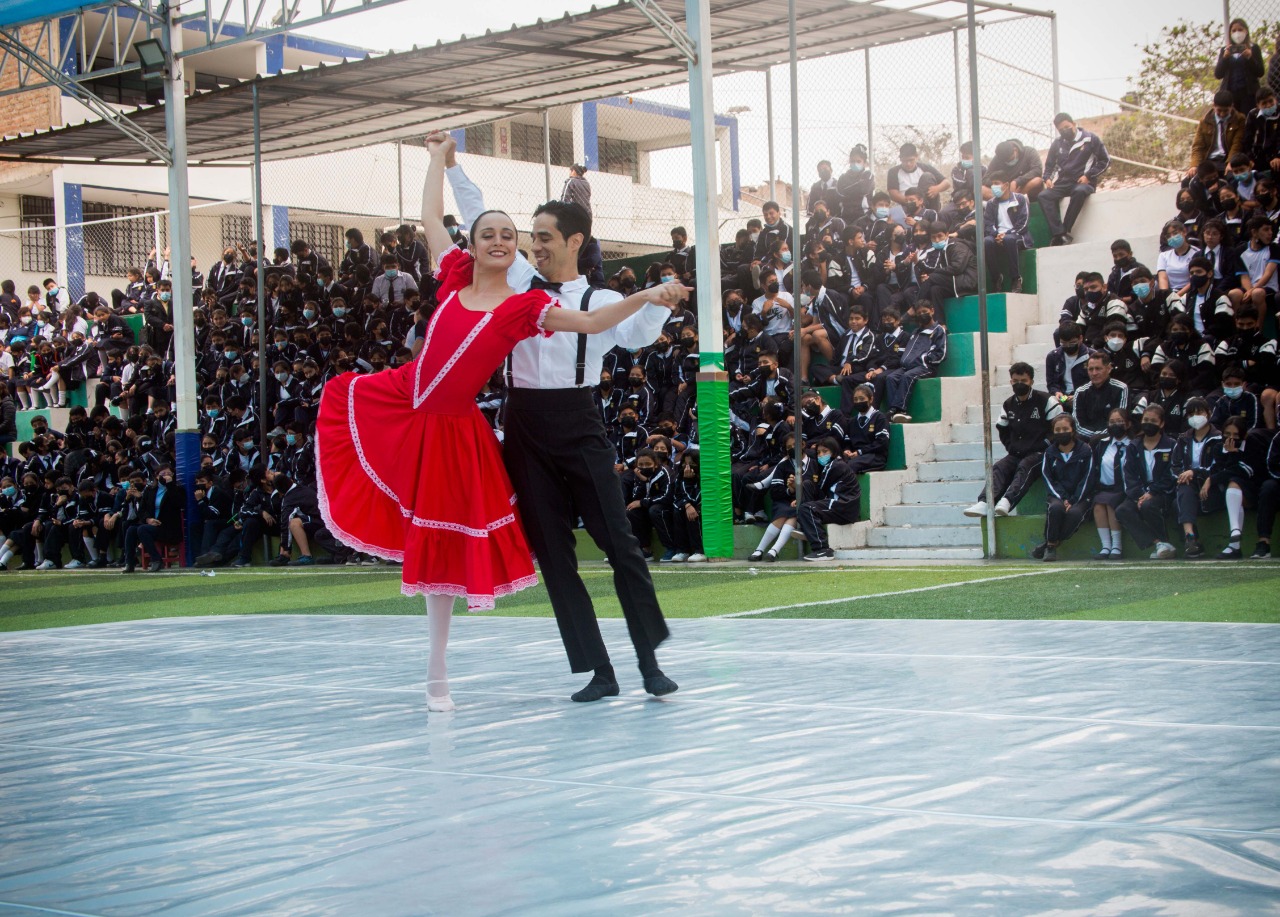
557 453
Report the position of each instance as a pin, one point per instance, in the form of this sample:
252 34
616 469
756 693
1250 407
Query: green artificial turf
1174 592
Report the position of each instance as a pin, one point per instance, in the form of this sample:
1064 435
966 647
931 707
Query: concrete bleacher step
966 450
917 514
964 470
925 536
877 555
1040 334
932 492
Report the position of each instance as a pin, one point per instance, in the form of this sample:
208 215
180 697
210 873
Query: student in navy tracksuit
686 521
1231 477
650 502
925 349
866 435
1149 485
1007 234
1075 163
1193 454
831 497
1067 469
781 484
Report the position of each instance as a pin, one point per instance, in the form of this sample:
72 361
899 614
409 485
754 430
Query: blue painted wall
73 212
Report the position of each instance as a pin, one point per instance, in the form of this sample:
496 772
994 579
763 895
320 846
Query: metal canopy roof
593 55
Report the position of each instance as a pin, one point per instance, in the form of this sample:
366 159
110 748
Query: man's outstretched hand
671 295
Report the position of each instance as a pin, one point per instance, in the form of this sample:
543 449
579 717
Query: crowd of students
1115 429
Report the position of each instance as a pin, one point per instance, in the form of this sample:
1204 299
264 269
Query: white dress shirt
551 362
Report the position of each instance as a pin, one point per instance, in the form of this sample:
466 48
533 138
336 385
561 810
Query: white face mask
1239 37
1115 344
1197 421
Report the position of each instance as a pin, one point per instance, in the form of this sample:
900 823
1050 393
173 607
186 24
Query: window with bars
526 144
326 239
619 157
237 230
39 249
111 248
479 139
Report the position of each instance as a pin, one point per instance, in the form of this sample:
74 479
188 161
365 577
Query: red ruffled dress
407 467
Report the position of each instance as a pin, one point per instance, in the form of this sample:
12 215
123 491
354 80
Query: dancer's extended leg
439 616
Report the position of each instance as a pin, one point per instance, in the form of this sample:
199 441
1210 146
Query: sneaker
47 565
241 563
1164 551
680 558
648 556
1017 286
306 560
1067 238
354 560
208 560
755 557
900 417
1193 548
73 564
1262 551
697 558
156 566
1050 553
978 510
1038 551
771 556
1003 508
280 560
1058 240
97 564
821 554
667 557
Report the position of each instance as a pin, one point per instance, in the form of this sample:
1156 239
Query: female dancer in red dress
407 467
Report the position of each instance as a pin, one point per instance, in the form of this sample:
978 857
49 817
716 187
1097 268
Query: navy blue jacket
1068 479
1161 480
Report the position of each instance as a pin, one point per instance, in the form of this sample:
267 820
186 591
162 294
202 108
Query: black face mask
1199 280
662 346
813 410
862 406
606 385
1071 349
628 422
634 382
1117 430
1063 439
1094 296
1150 429
1021 388
733 305
1179 337
773 288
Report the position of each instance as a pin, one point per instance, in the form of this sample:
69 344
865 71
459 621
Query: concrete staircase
916 514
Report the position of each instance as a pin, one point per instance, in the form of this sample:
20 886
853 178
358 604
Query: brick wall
37 109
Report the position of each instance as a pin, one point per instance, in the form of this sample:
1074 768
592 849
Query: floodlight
151 56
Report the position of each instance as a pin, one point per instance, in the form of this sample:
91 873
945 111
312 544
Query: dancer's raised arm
440 145
668 295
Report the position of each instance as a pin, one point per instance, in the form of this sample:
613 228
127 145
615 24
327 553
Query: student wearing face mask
1240 66
829 311
1236 401
1024 426
1193 455
856 186
1150 487
774 230
686 516
1231 480
1209 310
766 450
878 224
1126 365
161 508
924 352
1107 487
1254 352
1182 343
1220 133
1066 366
1177 250
899 286
950 269
832 496
1075 163
1219 251
1262 132
639 396
1260 267
608 400
768 381
1007 232
866 442
780 483
1020 162
1150 308
775 308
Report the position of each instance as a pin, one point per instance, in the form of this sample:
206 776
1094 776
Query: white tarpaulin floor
287 765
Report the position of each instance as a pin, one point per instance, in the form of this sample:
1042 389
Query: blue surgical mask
338 312
1176 241
1268 112
785 257
668 278
391 273
308 314
857 167
11 491
997 190
1232 391
1142 290
214 412
231 354
246 321
165 297
882 213
1246 177
824 459
291 439
968 164
939 246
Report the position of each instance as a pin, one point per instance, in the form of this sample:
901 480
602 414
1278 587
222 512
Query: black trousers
1147 523
1268 502
1050 203
1013 476
561 464
1061 523
688 534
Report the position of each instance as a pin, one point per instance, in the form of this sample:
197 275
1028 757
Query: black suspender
580 373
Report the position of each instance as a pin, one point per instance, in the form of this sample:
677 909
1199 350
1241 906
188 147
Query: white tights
439 616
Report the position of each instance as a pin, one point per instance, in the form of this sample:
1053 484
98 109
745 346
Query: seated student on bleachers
1075 163
92 507
1022 163
1268 499
899 286
1094 402
780 483
1126 364
1173 267
768 381
259 514
832 496
866 443
213 503
1210 310
1236 401
828 311
764 451
629 438
963 219
21 517
775 308
301 524
817 419
751 344
1262 131
949 269
1107 488
911 173
686 520
1150 486
1005 223
1150 307
1123 264
1024 427
1260 266
1193 455
56 529
1067 469
1198 198
650 500
1231 480
1256 355
924 352
161 505
858 360
1229 222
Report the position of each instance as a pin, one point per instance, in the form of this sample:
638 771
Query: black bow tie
539 283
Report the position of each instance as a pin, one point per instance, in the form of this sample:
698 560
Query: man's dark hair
1069 331
571 219
1062 117
1115 325
1121 245
679 231
1022 369
1224 99
1101 356
907 149
771 205
811 278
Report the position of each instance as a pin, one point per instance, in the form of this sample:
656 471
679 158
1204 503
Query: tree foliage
1176 77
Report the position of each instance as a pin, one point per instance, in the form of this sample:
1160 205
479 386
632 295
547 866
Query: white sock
1104 536
24 399
783 537
91 547
1235 513
1115 541
770 533
5 555
439 616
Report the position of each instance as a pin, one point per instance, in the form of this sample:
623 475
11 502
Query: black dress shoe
595 690
129 568
156 566
658 684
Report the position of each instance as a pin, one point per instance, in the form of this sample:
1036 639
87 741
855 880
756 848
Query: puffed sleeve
454 271
538 304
